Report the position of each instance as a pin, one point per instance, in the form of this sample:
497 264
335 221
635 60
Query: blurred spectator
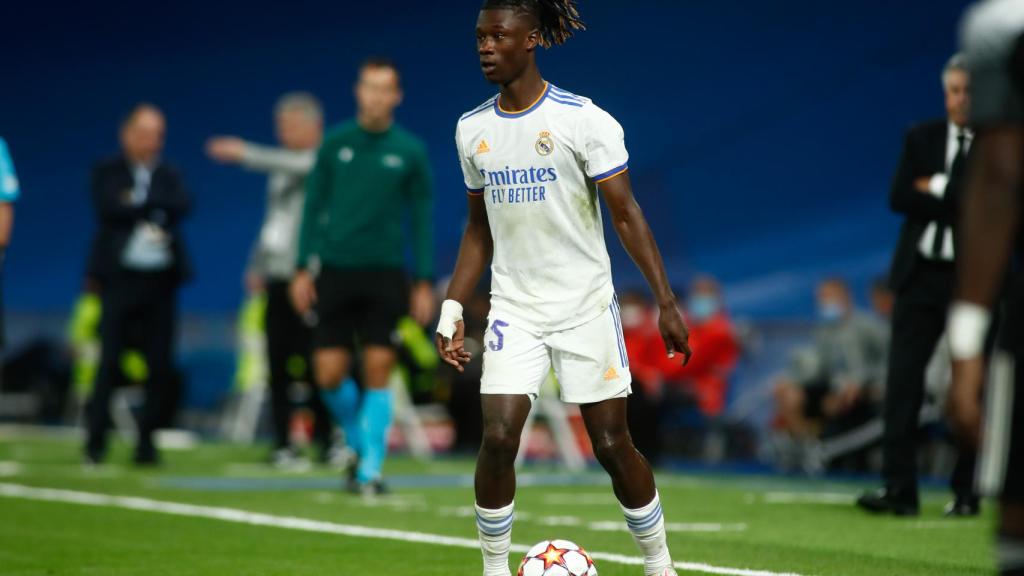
704 380
299 124
926 191
882 299
643 342
9 190
714 345
139 262
839 377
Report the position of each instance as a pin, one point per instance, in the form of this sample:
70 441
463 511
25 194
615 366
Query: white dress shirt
937 187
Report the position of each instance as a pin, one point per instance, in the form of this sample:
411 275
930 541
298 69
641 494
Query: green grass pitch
774 525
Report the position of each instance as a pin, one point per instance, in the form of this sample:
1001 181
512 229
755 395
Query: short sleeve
470 175
9 188
602 144
990 35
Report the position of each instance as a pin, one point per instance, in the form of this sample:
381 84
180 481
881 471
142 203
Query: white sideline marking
808 498
307 525
10 468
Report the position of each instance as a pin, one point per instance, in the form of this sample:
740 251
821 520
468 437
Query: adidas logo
483 147
611 374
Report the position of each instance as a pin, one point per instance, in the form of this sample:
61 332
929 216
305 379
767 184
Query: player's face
505 42
143 137
378 92
958 96
297 131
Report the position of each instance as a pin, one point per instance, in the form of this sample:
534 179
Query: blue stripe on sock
647 522
494 527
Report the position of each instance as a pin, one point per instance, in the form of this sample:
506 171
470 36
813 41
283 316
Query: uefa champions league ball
557 558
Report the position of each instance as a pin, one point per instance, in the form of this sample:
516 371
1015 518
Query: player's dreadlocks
556 18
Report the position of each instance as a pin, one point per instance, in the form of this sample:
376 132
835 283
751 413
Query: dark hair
556 19
380 62
129 117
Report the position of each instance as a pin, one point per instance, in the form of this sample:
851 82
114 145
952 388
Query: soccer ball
557 558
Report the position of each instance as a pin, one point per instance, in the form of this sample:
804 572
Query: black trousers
288 338
139 310
918 321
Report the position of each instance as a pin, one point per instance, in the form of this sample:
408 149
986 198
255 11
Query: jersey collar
516 114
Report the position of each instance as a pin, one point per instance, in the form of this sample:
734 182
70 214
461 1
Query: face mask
831 312
703 307
631 315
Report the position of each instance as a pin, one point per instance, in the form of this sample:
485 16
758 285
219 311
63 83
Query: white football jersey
538 171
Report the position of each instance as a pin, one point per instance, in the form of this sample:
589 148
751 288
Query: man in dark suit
138 262
926 189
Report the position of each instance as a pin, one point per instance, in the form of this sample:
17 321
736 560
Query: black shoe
888 501
351 481
963 507
92 459
146 456
374 488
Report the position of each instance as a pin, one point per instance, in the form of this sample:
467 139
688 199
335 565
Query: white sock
647 525
495 529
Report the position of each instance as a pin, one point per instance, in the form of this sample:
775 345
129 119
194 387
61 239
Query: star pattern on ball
590 561
553 556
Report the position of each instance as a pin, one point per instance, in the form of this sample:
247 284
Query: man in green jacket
350 284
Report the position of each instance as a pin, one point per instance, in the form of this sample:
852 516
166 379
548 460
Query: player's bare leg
632 481
504 418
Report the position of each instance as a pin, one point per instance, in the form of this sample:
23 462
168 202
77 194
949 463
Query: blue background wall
763 134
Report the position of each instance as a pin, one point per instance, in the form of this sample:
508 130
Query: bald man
138 263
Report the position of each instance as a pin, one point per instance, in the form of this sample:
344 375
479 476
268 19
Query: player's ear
532 40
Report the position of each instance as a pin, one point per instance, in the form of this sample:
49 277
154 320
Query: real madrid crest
545 145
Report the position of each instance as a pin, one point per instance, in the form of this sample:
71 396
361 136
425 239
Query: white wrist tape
451 312
968 326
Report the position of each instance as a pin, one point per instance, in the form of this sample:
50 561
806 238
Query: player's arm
420 190
636 237
988 227
910 193
234 150
303 289
475 253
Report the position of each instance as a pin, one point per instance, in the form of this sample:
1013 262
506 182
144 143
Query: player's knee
609 449
500 441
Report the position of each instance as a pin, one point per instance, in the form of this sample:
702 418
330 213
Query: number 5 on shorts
496 327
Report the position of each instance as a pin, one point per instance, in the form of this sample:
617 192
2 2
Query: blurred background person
139 262
645 405
832 385
926 190
711 332
9 191
369 173
702 383
298 119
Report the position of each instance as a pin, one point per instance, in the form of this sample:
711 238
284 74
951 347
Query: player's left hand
421 303
964 403
674 332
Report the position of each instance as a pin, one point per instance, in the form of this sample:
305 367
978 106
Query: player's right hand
452 350
965 397
303 292
674 332
450 336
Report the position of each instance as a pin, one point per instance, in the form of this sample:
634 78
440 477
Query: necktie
956 167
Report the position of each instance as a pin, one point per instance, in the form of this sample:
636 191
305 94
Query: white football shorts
589 360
